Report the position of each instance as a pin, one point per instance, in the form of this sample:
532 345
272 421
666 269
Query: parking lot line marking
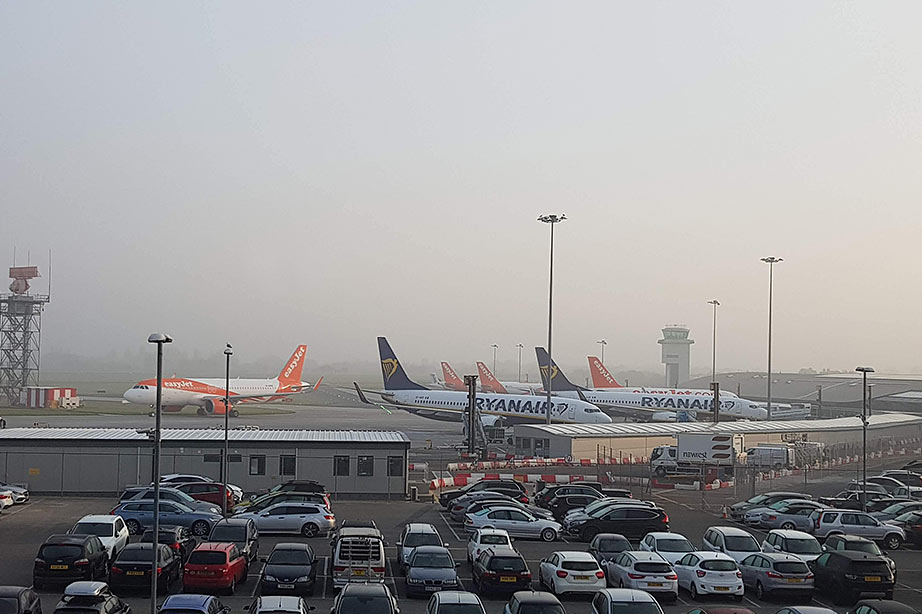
909 588
821 603
325 560
450 528
678 598
744 597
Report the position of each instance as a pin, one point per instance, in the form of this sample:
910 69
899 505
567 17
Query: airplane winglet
317 385
361 394
582 397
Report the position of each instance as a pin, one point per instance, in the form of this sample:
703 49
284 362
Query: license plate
872 578
507 578
358 572
654 583
721 588
795 580
432 589
60 566
134 573
581 577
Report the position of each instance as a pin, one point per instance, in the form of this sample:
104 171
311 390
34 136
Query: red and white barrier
462 479
547 462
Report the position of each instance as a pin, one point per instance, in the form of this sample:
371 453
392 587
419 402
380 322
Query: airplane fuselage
673 400
182 391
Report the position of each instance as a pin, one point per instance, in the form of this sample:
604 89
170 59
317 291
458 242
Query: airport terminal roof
217 434
663 429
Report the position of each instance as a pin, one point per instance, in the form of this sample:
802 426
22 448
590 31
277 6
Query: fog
325 173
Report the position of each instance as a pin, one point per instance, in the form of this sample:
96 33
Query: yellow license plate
721 588
654 583
60 566
795 580
507 578
135 573
872 578
358 572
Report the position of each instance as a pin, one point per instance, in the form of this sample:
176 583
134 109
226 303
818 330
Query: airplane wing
413 409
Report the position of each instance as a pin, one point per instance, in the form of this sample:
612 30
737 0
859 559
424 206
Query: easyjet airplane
208 394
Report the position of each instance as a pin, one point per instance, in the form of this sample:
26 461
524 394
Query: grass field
120 409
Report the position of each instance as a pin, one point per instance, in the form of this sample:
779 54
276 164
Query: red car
214 566
207 491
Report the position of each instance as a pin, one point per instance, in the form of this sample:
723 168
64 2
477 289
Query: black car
67 558
559 505
851 499
503 570
605 546
911 523
179 539
579 488
880 505
241 532
90 598
631 521
298 486
366 599
290 568
132 568
859 544
738 510
845 575
533 602
507 487
882 606
19 600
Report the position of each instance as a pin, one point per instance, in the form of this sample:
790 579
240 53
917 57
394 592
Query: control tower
20 335
676 346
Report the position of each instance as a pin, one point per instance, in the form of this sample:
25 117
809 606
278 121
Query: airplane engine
216 407
172 408
663 416
490 420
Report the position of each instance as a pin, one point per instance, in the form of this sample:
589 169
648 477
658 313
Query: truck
694 450
771 456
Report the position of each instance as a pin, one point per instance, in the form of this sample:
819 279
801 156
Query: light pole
864 434
159 339
228 352
602 343
715 303
520 346
552 220
771 260
494 346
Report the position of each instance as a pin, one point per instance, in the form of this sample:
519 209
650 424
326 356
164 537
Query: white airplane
208 394
495 409
658 406
603 379
489 383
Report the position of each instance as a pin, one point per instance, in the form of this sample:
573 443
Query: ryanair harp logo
389 367
553 370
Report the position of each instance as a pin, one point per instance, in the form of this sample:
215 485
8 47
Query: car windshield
207 557
863 546
580 565
421 539
757 499
803 546
896 508
289 557
101 529
614 545
674 545
791 567
433 559
507 563
225 533
718 565
494 539
461 608
741 543
777 505
56 551
540 608
652 567
135 555
9 605
909 517
366 604
635 607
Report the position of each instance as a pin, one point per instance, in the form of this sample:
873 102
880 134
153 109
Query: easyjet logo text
295 359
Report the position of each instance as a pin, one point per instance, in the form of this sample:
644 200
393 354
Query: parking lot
23 528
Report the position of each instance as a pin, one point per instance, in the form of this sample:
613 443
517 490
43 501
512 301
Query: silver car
794 515
645 571
308 519
514 521
770 573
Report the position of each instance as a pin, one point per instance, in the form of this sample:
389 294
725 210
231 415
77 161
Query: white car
671 546
709 573
482 539
20 493
6 499
571 572
109 528
645 571
629 601
735 542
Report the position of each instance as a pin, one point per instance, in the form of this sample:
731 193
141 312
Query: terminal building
103 461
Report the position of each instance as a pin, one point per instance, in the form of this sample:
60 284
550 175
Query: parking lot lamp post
228 352
494 346
159 339
602 343
772 261
864 434
552 220
520 346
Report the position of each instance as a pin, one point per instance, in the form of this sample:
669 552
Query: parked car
241 532
908 478
533 602
210 492
772 573
861 544
482 539
852 499
110 530
846 575
365 598
185 478
139 515
132 568
455 602
765 499
890 483
753 516
290 568
500 571
431 569
514 521
909 492
632 521
19 600
297 486
624 600
891 512
20 493
179 540
671 546
879 505
733 541
476 506
800 544
570 572
560 505
790 515
193 604
551 490
358 556
882 606
543 498
90 598
308 519
146 493
278 604
69 557
214 566
911 523
837 522
599 507
872 486
261 503
6 498
643 570
506 487
703 573
416 534
605 546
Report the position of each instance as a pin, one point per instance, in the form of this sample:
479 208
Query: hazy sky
268 174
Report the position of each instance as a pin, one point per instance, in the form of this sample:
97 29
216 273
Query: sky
327 172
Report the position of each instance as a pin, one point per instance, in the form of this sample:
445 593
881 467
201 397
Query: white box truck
692 450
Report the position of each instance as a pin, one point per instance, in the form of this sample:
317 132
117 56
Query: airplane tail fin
290 374
395 378
488 382
452 381
550 371
601 377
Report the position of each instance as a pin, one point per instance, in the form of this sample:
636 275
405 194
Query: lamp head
228 350
864 369
772 260
552 219
715 302
159 338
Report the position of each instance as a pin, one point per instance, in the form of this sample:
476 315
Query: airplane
450 405
653 406
489 383
452 381
208 394
602 379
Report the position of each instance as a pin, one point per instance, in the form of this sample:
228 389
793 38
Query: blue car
187 604
139 515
